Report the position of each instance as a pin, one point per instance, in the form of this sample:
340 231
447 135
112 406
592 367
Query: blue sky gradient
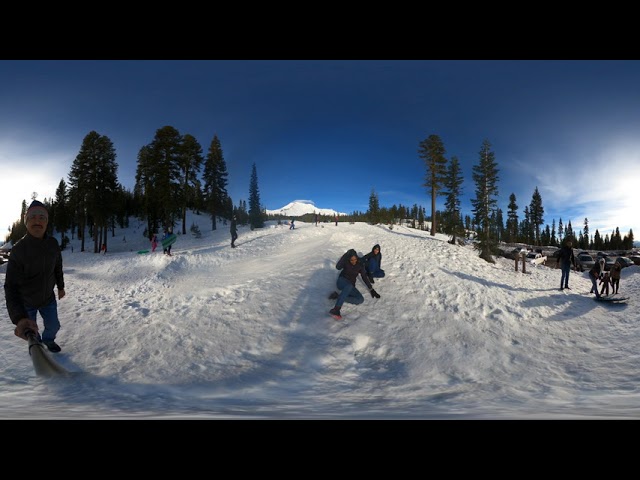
331 131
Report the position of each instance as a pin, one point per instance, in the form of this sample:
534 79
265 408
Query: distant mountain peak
297 208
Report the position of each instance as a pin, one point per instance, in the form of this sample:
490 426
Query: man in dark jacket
566 259
234 231
351 267
34 268
372 262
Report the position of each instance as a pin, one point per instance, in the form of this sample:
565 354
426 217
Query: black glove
374 294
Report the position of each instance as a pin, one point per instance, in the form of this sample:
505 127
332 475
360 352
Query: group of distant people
566 259
368 267
166 250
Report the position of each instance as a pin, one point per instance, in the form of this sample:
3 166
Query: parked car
608 263
536 258
584 262
624 261
635 259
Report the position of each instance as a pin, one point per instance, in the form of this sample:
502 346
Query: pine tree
255 212
560 232
628 240
374 208
158 179
190 162
452 183
93 182
598 243
62 213
585 231
485 176
536 211
545 236
528 232
432 152
616 243
18 228
215 183
498 225
512 219
568 233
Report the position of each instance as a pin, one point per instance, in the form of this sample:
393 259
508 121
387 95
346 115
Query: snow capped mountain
300 207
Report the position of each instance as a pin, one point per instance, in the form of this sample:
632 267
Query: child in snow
605 281
615 277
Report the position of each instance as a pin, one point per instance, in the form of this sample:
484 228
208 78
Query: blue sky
331 131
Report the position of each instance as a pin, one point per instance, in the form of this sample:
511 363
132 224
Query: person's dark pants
594 283
615 283
564 278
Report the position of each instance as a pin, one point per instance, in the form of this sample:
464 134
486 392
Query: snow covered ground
214 332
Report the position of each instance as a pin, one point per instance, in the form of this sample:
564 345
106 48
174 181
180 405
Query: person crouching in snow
372 262
594 275
351 267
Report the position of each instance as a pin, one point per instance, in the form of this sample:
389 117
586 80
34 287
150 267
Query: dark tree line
487 225
170 179
172 176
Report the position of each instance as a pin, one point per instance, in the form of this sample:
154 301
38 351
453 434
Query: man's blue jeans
348 293
49 314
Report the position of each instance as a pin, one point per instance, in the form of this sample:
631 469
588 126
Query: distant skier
154 242
336 219
293 225
234 231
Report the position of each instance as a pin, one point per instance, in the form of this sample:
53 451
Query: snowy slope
215 332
